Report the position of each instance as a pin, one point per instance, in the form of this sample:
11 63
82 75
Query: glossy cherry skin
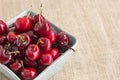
37 17
33 52
23 24
45 44
46 59
52 36
42 28
3 27
4 56
28 73
30 63
16 66
55 53
2 39
11 37
23 40
62 40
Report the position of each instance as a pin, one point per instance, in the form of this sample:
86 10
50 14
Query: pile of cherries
30 45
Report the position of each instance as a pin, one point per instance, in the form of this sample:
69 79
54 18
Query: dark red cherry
46 59
30 63
62 40
23 40
5 57
11 37
28 73
16 66
3 27
52 36
55 53
42 28
16 53
41 68
23 24
33 52
45 44
38 17
2 39
33 36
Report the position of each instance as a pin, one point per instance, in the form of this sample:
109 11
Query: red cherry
30 19
52 36
38 17
30 63
4 56
11 37
23 24
2 39
16 66
33 52
3 27
45 44
28 73
23 40
46 59
55 53
62 40
42 28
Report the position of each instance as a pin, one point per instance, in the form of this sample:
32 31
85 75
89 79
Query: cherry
38 17
23 24
11 37
28 73
30 63
62 40
52 36
33 52
16 66
4 56
41 68
3 27
55 53
45 44
23 40
33 36
42 28
46 59
30 19
16 53
2 39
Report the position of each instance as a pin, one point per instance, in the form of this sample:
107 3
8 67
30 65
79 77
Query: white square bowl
50 70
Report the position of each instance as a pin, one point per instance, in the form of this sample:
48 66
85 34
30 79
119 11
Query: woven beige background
95 24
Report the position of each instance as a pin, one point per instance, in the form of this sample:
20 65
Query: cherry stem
13 44
15 52
40 13
71 48
22 63
21 37
12 28
7 46
36 45
29 11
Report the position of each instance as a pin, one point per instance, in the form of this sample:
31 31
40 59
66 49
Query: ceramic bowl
54 67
